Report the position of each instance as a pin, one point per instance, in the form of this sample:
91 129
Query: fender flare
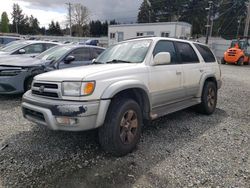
204 77
119 86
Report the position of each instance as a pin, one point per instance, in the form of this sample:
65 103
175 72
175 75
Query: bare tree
80 18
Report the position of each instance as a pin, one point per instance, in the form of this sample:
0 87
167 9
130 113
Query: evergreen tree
17 16
145 13
5 23
230 12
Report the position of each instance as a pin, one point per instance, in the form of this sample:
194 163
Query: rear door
166 80
192 68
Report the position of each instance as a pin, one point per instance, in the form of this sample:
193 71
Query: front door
166 80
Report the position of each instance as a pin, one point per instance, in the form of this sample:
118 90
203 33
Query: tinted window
48 46
82 54
97 52
34 48
166 46
205 53
187 53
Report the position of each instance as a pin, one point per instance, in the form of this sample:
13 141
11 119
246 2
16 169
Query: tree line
20 23
228 16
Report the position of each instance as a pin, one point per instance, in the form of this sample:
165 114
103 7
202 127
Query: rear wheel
208 99
240 61
122 128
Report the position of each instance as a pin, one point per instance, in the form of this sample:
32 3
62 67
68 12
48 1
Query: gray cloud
121 10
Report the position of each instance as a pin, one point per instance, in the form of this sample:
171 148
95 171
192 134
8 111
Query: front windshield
54 53
13 47
130 52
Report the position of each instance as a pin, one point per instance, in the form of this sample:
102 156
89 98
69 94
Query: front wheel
223 61
208 99
122 128
28 84
240 61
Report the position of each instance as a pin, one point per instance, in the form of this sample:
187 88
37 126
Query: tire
27 84
208 99
122 127
223 61
240 61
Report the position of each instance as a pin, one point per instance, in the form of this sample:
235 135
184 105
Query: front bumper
12 84
43 111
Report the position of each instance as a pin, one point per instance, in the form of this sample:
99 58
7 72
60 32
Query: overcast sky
47 10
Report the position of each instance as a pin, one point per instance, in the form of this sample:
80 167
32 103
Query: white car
130 83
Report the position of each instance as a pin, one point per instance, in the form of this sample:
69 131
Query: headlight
77 88
10 72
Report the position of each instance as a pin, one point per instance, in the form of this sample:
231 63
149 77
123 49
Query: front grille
47 94
36 115
46 85
45 89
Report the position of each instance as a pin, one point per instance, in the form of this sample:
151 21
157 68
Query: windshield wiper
118 61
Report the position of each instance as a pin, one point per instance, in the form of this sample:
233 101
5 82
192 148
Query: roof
152 24
80 46
159 38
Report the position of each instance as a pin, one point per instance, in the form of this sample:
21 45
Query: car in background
91 42
16 73
7 39
26 47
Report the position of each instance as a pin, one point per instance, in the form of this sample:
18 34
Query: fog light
66 120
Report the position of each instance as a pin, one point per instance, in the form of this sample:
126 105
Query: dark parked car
90 42
16 73
28 48
7 39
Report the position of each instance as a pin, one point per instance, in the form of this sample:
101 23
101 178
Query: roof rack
141 37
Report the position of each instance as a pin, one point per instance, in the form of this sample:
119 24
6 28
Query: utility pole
16 26
247 20
212 21
70 23
238 29
208 19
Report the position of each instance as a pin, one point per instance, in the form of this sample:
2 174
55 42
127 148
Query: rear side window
187 53
48 46
206 53
81 54
97 52
166 46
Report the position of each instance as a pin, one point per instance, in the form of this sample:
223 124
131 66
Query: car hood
22 61
4 53
89 72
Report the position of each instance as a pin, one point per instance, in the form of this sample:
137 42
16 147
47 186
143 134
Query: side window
48 46
166 46
34 48
205 53
81 54
97 52
187 53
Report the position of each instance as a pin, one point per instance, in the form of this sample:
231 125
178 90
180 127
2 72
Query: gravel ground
183 149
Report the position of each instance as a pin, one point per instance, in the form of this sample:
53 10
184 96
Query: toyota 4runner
130 83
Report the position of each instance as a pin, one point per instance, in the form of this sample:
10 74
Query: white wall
175 29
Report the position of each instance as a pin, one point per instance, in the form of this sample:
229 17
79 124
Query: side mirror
93 60
69 59
21 51
162 58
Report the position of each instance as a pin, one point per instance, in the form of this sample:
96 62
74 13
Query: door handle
178 73
201 70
